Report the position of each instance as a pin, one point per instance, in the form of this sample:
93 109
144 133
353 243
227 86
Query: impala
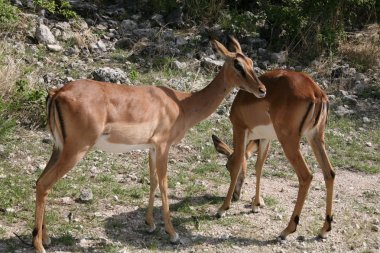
294 106
119 118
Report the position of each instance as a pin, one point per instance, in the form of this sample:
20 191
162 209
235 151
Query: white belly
103 144
262 132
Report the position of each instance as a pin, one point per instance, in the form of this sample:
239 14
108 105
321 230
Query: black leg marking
329 220
296 219
332 174
35 232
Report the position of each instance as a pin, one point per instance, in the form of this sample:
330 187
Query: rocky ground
130 50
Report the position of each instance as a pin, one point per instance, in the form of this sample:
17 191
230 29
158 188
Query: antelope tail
55 119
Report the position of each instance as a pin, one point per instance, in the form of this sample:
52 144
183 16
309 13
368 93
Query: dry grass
363 49
10 70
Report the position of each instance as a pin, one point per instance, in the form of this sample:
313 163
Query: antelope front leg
237 160
240 181
162 163
153 186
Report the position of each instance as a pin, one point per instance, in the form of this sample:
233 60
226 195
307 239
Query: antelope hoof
257 204
46 241
255 208
174 239
322 235
220 214
236 196
42 250
151 228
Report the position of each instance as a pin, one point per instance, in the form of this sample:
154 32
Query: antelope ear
222 50
234 44
221 147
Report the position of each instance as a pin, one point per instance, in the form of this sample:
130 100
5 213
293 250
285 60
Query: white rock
54 47
44 35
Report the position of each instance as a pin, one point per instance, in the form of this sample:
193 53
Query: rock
127 26
54 48
179 65
180 41
108 74
44 35
159 19
168 34
209 63
101 45
86 195
10 210
350 99
366 120
125 43
375 228
98 46
279 58
145 32
368 144
343 111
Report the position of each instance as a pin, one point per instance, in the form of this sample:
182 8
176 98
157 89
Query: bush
311 27
204 11
8 14
57 7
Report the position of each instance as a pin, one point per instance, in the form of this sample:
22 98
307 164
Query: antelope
119 118
295 106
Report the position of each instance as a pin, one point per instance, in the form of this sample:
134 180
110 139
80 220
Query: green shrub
204 11
59 7
311 27
238 22
8 14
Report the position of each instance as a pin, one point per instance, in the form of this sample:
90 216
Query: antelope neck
200 104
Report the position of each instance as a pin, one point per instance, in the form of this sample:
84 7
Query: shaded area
123 228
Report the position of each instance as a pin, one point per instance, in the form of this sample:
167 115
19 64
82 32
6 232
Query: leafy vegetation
57 7
9 14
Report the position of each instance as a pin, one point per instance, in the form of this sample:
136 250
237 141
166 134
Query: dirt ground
355 227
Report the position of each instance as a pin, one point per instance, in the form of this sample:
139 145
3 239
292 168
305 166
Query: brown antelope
294 106
120 118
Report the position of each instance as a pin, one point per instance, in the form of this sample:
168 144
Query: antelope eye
239 67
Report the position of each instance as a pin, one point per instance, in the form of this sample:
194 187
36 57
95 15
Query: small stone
180 41
368 144
132 177
301 238
179 65
86 195
54 48
375 228
366 120
101 46
10 210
